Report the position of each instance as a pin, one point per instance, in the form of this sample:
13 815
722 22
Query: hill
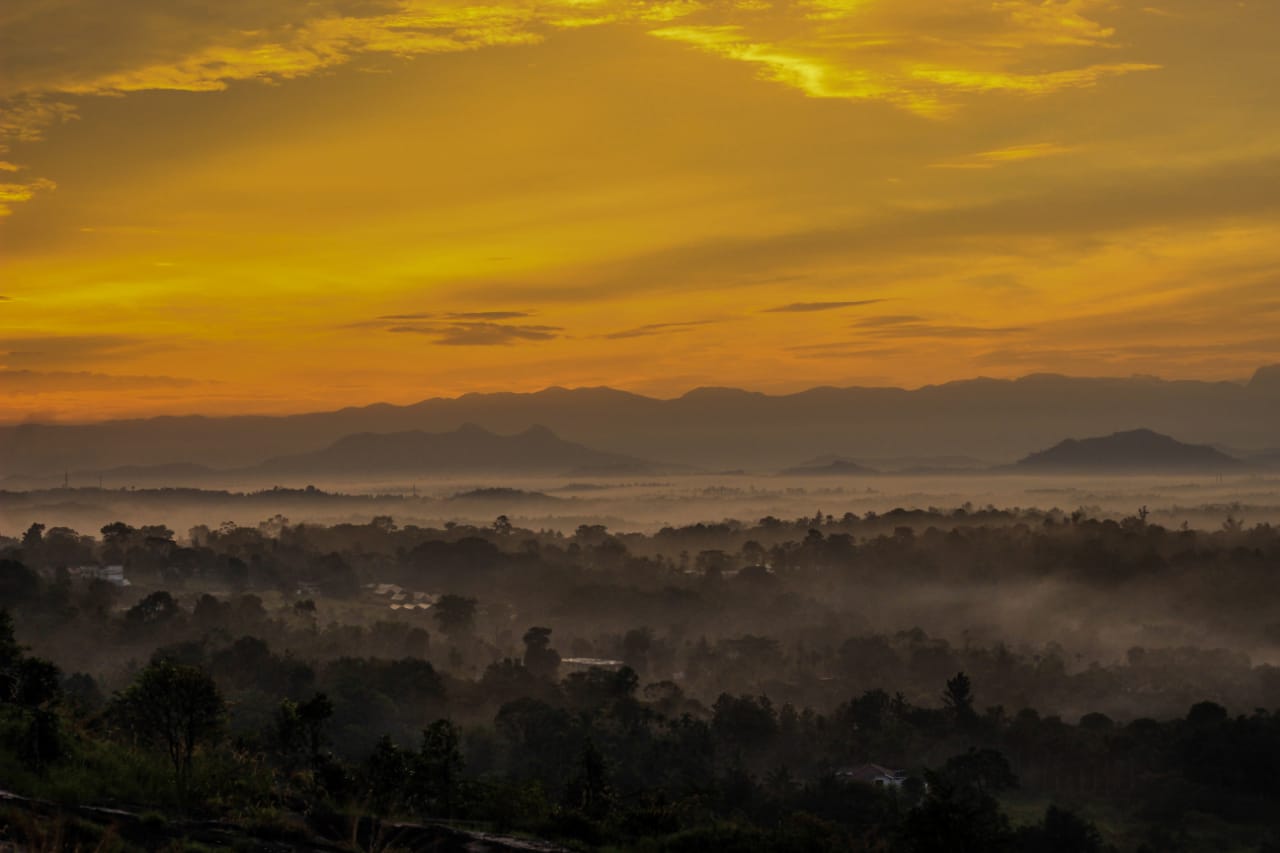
468 449
997 420
1134 450
829 467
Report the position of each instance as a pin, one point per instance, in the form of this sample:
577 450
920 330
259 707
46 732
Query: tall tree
539 658
456 614
176 707
440 764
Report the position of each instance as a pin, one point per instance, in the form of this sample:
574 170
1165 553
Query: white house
873 774
111 574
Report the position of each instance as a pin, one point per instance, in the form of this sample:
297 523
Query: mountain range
468 449
994 420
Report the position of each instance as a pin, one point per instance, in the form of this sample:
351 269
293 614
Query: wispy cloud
15 193
480 333
26 117
458 315
399 317
913 54
489 315
804 307
910 326
1010 154
906 53
60 350
656 329
1032 151
51 381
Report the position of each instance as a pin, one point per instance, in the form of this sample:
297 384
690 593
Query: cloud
459 315
141 45
877 336
890 320
843 349
24 118
462 328
1032 151
57 350
802 307
480 333
15 193
489 315
1102 208
908 53
656 329
1011 154
43 382
918 55
908 326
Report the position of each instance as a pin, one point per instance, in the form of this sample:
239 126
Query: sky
298 205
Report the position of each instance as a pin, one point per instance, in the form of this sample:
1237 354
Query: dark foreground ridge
69 826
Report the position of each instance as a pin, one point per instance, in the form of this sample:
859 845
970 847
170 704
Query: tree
17 582
456 614
589 790
299 727
1061 831
744 721
958 697
985 769
955 818
156 608
33 538
539 658
177 707
440 764
386 772
10 653
33 687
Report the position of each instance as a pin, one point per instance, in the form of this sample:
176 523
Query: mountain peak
1135 449
1266 378
541 432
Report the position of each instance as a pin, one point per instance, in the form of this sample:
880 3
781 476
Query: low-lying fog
1015 589
646 504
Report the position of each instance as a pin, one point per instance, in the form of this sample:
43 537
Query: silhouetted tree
958 697
455 614
177 707
539 658
440 764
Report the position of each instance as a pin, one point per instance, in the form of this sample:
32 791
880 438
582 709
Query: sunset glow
291 206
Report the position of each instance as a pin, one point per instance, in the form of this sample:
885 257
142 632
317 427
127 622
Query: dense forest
822 683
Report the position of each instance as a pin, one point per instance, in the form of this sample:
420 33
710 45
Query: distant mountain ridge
468 449
994 420
1131 450
827 466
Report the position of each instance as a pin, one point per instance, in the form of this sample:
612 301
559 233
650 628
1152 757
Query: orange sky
304 204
